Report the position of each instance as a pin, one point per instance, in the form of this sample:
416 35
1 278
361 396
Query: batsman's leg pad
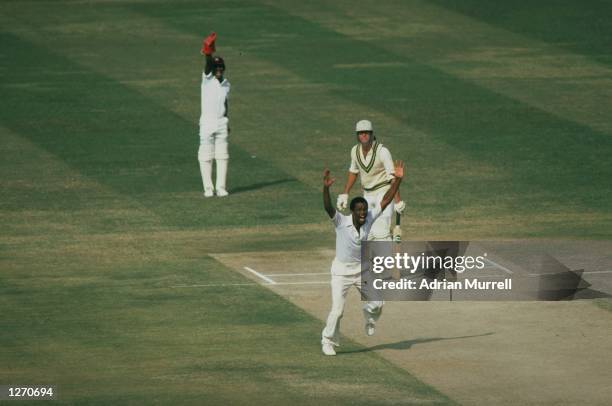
381 229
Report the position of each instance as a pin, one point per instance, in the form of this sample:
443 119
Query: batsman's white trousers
213 140
381 229
340 285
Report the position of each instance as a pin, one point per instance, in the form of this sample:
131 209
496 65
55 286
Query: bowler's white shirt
348 242
214 94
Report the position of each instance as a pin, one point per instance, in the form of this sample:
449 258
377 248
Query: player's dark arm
208 67
227 115
395 184
327 204
390 169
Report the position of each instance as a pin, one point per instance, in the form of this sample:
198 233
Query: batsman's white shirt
375 168
348 242
213 96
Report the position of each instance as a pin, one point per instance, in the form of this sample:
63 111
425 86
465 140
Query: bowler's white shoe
222 192
208 193
328 349
370 329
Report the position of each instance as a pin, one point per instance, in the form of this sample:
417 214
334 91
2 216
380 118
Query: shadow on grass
407 344
260 185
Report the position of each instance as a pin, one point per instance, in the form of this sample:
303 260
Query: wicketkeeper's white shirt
214 94
348 242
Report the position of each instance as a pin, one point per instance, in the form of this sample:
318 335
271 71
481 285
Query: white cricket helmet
364 125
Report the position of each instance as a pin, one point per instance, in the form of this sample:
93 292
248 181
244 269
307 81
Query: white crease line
583 273
503 268
261 276
303 283
214 285
296 274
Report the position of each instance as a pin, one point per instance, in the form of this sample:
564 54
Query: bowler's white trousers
340 285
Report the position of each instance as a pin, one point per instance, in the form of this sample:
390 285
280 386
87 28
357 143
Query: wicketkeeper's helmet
218 62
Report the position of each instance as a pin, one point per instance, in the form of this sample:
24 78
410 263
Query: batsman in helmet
372 163
214 121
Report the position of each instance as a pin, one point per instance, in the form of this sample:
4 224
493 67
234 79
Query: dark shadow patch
261 185
407 344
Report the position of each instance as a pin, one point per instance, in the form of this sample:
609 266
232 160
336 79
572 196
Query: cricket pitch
477 353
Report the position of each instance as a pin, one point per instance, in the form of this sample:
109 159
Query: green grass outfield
501 114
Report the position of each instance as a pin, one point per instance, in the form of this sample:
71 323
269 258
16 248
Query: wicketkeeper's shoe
328 349
208 193
370 329
222 192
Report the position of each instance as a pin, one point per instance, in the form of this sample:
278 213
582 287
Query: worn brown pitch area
477 353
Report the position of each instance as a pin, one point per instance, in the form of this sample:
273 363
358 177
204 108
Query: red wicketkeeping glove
208 45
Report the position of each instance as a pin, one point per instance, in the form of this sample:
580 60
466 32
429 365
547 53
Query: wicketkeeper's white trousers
340 285
381 229
213 145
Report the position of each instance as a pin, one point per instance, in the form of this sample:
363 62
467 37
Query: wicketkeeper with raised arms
351 231
214 121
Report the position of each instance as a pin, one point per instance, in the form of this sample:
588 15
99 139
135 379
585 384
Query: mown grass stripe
581 27
130 143
569 85
267 98
540 152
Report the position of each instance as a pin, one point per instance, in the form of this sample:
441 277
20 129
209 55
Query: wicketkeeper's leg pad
206 152
221 174
206 173
221 146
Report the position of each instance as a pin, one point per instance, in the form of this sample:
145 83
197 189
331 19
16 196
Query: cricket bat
397 230
397 239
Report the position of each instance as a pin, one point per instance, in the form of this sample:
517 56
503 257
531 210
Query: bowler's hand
327 179
399 169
